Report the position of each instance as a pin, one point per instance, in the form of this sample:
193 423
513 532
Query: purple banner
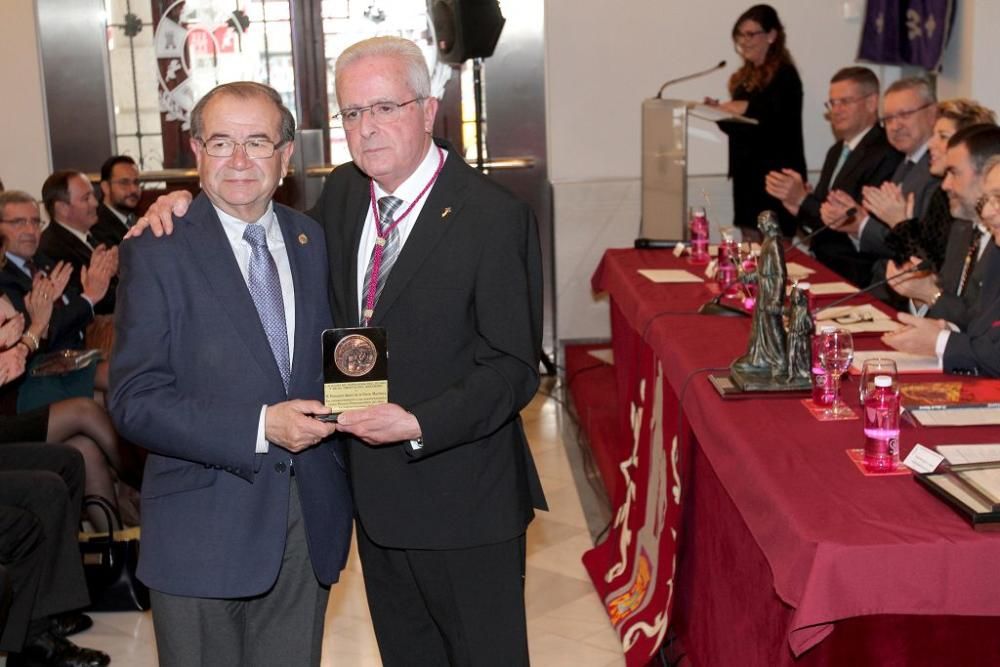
907 32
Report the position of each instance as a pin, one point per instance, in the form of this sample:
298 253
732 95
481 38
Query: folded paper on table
864 318
958 417
670 276
822 289
798 271
905 362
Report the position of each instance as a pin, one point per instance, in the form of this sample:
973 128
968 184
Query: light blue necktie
840 164
387 207
265 288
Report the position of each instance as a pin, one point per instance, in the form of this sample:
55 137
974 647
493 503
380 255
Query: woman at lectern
767 88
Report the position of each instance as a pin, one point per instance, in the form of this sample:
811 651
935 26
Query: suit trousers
283 626
41 488
457 607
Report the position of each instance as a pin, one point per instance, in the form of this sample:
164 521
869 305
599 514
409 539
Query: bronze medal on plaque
355 368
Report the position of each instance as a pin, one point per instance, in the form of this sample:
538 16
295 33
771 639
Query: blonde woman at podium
768 89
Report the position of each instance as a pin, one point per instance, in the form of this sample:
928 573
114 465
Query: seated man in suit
217 371
72 308
861 156
41 487
72 207
910 112
121 189
974 350
953 290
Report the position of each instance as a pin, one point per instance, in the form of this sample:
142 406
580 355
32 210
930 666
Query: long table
743 524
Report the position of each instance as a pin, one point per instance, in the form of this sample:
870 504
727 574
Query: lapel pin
303 239
445 213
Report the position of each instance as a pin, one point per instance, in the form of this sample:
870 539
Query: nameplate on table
839 287
355 368
957 417
670 276
864 318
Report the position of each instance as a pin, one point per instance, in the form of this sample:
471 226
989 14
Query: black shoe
48 650
70 623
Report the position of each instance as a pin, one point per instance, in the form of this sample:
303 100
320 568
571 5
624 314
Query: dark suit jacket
462 309
191 369
919 182
872 162
69 320
59 244
952 306
976 351
109 230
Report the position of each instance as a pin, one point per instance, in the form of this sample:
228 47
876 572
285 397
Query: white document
959 454
821 289
798 271
958 417
865 318
670 276
715 114
905 363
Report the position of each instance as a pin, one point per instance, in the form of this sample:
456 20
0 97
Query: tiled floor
566 621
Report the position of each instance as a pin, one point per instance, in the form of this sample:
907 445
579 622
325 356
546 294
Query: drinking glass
836 350
872 368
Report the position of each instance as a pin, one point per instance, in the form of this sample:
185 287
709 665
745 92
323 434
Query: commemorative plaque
355 368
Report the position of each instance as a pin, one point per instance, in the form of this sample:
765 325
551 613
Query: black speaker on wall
465 28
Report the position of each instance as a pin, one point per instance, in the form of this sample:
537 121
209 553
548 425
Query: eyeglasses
992 199
832 104
382 113
747 35
18 223
257 149
125 182
904 115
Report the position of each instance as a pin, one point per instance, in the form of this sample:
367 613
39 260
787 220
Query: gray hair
9 197
919 84
245 90
417 76
991 164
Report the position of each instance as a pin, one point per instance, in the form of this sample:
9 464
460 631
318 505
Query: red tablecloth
837 544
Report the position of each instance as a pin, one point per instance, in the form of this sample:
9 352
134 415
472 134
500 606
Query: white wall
24 157
602 60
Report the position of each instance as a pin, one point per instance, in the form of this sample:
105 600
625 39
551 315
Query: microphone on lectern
659 93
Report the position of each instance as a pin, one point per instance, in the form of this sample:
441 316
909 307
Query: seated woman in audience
78 422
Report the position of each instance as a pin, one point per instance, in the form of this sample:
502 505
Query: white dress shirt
407 192
234 228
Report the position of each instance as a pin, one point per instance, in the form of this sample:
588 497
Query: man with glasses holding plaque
448 264
246 505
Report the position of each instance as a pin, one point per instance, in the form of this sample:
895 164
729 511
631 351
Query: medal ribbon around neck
381 235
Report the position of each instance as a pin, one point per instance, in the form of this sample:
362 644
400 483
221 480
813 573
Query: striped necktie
387 207
265 288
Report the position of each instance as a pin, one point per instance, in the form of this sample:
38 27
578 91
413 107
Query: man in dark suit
218 372
41 487
443 479
910 111
121 189
72 207
862 156
972 181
